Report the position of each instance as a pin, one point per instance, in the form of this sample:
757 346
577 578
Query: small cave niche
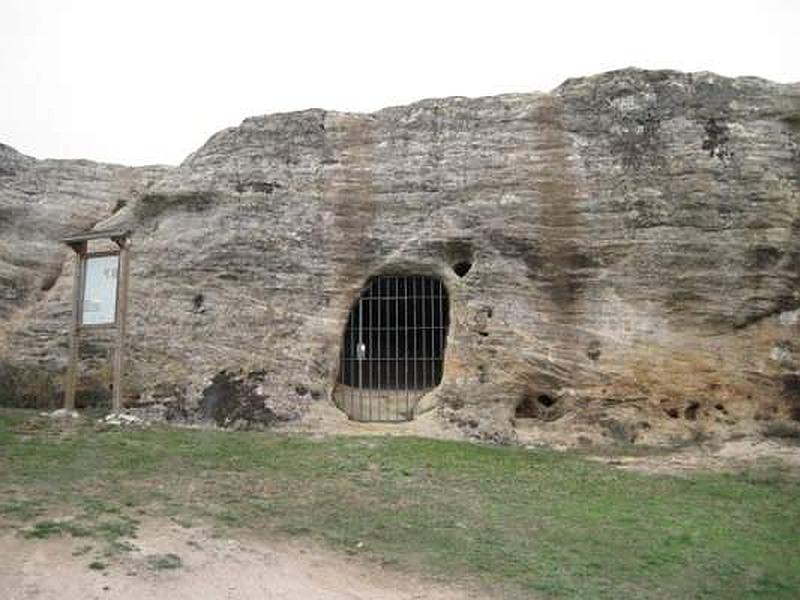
535 406
527 409
593 352
459 255
198 303
461 268
690 412
545 400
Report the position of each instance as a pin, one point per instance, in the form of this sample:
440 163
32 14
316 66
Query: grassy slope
550 523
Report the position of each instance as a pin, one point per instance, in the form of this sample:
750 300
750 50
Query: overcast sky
148 81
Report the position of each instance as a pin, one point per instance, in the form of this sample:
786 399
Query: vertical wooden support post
121 318
77 288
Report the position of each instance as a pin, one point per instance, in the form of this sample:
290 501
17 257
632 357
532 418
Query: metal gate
393 347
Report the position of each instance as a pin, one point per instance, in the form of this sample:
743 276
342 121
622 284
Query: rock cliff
633 241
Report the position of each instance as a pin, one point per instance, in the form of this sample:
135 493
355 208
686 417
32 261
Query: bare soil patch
169 561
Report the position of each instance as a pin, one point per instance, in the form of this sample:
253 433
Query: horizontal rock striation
633 237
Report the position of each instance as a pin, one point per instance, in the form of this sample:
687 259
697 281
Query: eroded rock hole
690 412
50 281
527 409
458 253
198 303
462 268
393 347
536 407
545 400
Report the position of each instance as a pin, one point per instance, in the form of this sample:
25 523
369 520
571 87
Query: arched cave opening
393 347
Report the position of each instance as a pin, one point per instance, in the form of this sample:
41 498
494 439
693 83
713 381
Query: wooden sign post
99 301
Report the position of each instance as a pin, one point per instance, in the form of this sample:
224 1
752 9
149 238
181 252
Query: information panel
100 290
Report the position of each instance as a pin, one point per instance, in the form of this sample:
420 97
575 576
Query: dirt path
211 567
729 456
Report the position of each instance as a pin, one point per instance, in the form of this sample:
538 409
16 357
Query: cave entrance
393 347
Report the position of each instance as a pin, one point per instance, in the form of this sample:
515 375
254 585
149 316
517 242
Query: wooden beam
111 234
122 311
72 367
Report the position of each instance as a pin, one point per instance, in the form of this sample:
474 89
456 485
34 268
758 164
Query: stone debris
63 413
122 419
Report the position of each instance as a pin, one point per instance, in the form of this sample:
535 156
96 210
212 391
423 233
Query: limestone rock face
634 241
42 201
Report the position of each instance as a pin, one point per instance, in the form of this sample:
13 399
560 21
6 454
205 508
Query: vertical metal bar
77 292
432 310
385 299
367 327
342 362
351 318
368 342
431 326
352 360
379 334
396 332
343 356
371 394
383 293
423 321
427 324
380 292
369 356
440 363
386 336
121 317
405 340
359 353
388 330
414 325
375 293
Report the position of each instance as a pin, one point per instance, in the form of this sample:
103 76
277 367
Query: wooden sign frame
80 245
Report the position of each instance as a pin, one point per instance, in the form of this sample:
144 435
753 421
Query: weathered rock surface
634 240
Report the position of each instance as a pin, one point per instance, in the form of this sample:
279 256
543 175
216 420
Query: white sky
148 81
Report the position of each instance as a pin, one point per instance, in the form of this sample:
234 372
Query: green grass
532 522
20 510
45 529
163 562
